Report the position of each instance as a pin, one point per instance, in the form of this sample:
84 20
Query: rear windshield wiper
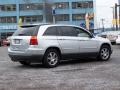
21 34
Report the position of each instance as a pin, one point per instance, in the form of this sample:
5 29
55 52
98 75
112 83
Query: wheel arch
53 47
106 44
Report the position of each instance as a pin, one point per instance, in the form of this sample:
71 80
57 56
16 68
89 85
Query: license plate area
15 48
17 41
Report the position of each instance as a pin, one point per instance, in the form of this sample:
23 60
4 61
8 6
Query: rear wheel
24 62
51 58
0 43
105 53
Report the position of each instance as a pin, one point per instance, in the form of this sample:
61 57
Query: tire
105 53
51 58
0 44
24 63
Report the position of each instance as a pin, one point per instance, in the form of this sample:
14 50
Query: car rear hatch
21 39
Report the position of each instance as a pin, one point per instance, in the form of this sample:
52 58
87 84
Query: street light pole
103 23
54 19
53 13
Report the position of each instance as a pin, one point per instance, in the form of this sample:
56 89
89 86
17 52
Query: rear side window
67 31
51 31
27 31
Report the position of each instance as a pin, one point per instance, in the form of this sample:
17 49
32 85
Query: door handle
61 39
81 40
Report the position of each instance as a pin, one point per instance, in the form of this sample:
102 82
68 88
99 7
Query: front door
87 43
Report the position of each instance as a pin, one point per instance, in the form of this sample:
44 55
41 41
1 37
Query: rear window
27 31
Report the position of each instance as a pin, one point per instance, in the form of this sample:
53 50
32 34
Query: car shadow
62 63
32 66
78 61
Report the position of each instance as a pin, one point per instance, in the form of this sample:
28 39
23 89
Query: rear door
21 38
68 40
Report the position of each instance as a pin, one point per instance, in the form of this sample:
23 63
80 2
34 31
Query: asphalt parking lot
70 75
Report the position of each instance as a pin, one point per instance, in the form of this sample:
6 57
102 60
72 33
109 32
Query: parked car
6 42
50 44
111 35
118 39
103 35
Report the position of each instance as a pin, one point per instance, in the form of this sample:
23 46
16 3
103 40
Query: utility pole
116 18
113 13
119 16
103 24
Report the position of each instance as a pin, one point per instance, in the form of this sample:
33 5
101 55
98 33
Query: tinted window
67 31
51 31
27 31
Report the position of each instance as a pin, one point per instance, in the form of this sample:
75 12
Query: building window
76 17
32 6
8 7
8 19
82 4
62 5
62 17
31 19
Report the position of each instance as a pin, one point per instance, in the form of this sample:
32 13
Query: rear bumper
29 55
32 58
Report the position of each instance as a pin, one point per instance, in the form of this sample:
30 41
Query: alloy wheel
52 58
105 53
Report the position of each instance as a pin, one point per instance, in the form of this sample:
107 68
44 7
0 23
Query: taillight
33 40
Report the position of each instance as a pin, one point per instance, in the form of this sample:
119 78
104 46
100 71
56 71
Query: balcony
8 13
76 11
30 12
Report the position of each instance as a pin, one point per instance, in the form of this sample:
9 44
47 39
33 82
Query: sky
104 11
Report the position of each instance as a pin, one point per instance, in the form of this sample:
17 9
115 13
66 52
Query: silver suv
49 44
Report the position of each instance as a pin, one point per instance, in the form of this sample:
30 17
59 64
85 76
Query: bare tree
48 11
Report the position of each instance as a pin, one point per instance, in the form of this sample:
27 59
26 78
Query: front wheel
51 58
105 53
